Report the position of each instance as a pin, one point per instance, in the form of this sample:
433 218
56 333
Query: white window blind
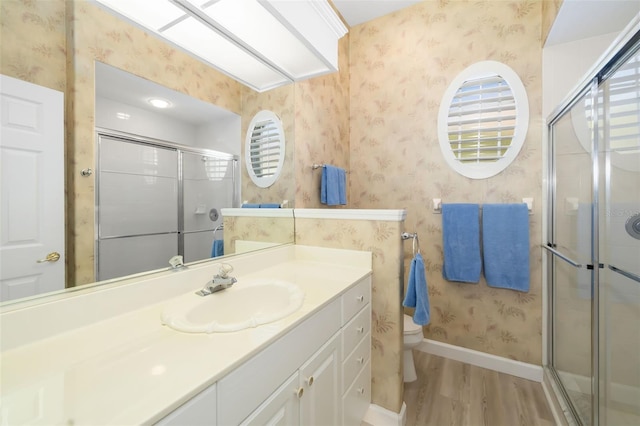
623 100
215 168
482 120
265 148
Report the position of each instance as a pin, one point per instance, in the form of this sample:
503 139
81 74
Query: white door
31 189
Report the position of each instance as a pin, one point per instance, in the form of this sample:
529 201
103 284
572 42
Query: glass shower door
208 185
620 246
571 251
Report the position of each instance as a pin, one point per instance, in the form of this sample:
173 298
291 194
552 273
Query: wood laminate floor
449 392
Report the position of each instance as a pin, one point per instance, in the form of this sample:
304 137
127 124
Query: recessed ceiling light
159 103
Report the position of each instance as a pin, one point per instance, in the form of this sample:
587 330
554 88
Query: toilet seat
411 327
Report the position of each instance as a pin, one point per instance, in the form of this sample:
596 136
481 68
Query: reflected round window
264 148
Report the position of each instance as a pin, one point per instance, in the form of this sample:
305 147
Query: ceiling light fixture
160 103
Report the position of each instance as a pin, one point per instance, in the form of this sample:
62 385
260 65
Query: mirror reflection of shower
160 173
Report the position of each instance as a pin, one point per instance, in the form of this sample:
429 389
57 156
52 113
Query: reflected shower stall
156 200
593 245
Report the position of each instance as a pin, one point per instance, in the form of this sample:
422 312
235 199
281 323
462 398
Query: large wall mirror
106 69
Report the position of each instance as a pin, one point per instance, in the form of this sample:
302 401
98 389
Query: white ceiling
358 11
579 19
115 84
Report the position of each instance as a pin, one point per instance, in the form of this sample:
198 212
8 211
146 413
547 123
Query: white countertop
130 369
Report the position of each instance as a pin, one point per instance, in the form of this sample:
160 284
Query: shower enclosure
593 262
155 200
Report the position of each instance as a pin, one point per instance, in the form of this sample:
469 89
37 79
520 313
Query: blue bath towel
218 248
269 206
333 186
505 241
417 295
250 206
461 242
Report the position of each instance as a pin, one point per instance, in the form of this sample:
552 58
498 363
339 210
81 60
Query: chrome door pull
629 275
54 256
562 256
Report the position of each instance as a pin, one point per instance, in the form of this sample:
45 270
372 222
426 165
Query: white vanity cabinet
356 353
316 374
309 397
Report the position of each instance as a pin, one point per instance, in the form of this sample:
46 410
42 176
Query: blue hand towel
505 240
417 294
333 186
269 206
461 242
218 248
250 206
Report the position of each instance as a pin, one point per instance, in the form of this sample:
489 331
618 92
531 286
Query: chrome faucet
220 281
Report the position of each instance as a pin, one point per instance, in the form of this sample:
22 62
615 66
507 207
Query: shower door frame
179 148
590 90
620 50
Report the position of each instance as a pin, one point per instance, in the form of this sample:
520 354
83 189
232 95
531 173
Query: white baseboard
482 359
378 416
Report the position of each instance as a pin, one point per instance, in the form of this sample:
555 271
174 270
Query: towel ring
219 227
416 242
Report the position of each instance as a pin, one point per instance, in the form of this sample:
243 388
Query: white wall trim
240 212
354 214
378 416
482 359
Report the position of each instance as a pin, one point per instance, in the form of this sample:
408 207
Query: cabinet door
281 408
320 379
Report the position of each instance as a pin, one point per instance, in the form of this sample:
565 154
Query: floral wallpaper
277 230
400 66
282 102
382 238
33 44
321 128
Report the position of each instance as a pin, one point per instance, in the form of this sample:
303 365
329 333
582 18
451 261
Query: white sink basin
242 306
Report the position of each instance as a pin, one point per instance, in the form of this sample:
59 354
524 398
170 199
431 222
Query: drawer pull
360 360
300 392
361 391
360 329
360 298
310 381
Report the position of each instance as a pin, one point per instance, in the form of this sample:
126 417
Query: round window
483 120
264 148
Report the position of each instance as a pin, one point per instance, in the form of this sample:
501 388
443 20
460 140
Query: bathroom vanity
103 356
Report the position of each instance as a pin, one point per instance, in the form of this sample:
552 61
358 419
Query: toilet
412 338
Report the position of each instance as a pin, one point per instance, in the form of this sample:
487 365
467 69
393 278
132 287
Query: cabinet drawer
357 399
355 330
355 299
354 362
